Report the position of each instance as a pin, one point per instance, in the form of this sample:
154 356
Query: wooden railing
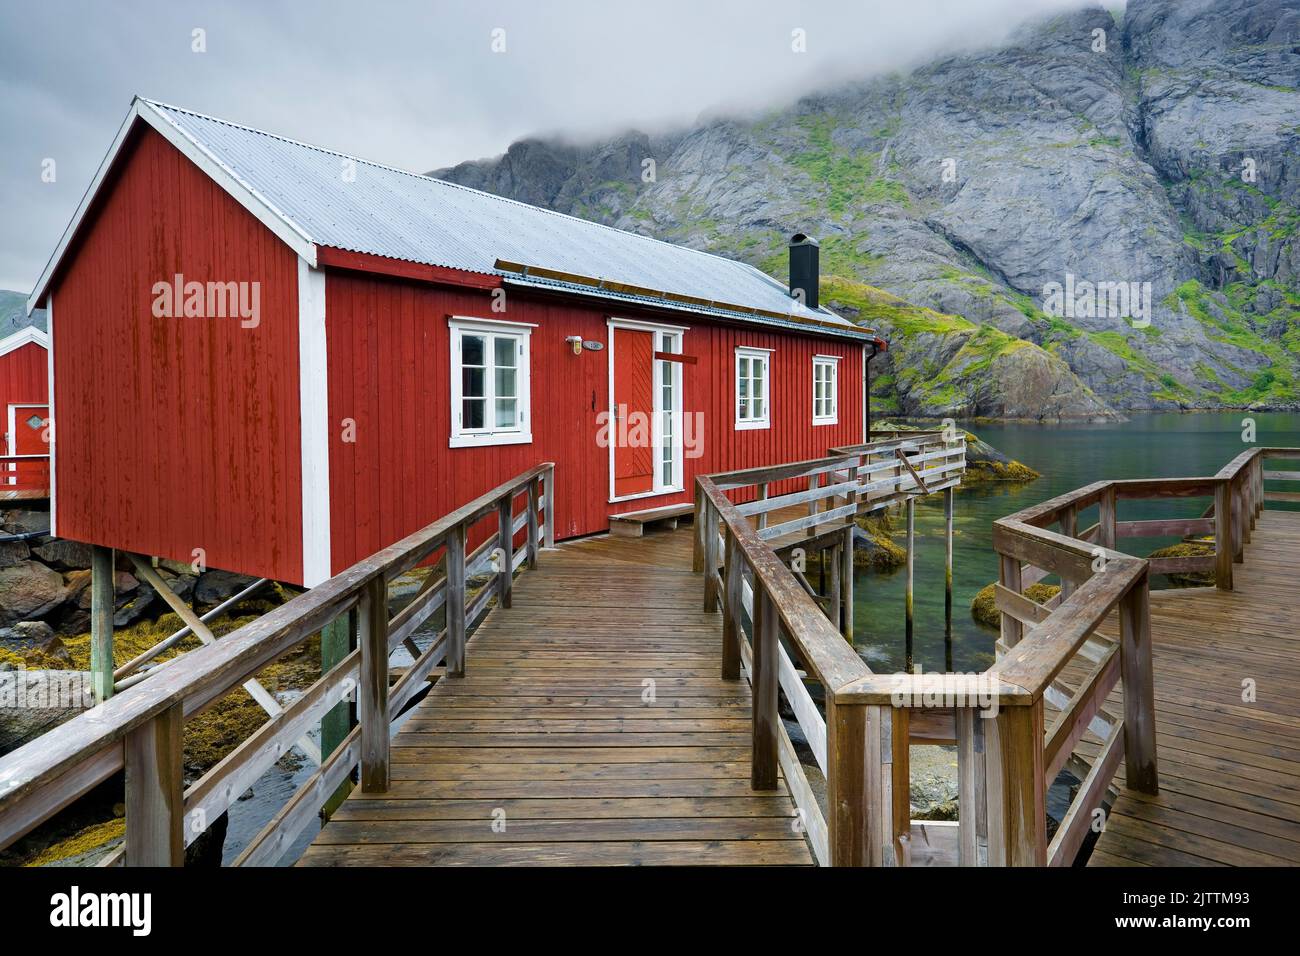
747 573
140 729
1008 755
24 476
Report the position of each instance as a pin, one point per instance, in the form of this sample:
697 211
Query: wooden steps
631 524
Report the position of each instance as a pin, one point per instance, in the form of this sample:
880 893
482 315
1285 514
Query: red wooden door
634 352
28 436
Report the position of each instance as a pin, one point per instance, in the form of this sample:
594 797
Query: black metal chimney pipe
805 269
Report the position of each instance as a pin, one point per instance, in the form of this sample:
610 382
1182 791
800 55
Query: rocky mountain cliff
1099 216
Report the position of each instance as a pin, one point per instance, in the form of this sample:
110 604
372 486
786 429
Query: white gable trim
49 397
314 424
225 177
28 336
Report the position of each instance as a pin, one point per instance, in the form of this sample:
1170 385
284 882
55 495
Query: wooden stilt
846 587
101 622
911 553
947 558
832 555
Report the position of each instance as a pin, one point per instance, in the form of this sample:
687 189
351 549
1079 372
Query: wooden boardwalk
591 728
1229 769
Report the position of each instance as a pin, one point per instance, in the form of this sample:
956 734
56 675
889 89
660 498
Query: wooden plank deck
549 738
1229 769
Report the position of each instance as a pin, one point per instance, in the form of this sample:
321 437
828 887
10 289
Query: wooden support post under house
102 597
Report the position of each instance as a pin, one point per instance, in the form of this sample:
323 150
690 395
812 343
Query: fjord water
1068 456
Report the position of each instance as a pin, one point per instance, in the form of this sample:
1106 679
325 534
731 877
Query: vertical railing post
763 766
847 822
711 518
761 517
1235 488
456 601
732 609
533 539
372 702
155 802
814 482
972 807
1070 528
888 777
1140 769
1016 789
834 596
102 597
506 542
1009 578
1106 515
1223 536
549 526
701 519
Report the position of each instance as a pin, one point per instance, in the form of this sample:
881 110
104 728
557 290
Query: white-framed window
753 388
826 406
669 477
490 389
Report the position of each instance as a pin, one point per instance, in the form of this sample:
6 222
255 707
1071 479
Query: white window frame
831 362
765 356
522 434
662 334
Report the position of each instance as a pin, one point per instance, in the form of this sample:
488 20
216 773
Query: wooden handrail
756 582
42 777
1007 762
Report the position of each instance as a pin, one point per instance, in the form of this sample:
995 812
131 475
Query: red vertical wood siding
177 433
24 375
389 361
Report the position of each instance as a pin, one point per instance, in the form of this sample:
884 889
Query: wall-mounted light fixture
576 342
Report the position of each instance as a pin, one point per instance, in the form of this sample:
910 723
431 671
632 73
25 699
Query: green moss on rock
984 605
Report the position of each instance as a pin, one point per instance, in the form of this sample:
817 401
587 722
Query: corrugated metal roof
402 215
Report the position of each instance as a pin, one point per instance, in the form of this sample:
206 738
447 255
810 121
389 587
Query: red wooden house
290 358
24 399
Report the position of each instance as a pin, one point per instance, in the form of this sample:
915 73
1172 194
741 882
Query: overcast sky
418 84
